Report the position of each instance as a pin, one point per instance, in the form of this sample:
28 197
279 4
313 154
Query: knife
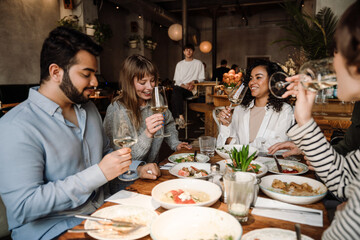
195 153
288 210
278 164
109 220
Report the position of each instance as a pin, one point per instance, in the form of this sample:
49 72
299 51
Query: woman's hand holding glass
304 99
154 123
225 116
115 163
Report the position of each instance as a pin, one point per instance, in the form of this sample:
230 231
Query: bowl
199 157
302 168
134 214
277 194
223 151
272 233
200 166
195 185
195 223
223 166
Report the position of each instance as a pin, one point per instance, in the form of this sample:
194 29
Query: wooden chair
5 107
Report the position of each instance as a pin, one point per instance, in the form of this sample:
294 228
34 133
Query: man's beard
70 90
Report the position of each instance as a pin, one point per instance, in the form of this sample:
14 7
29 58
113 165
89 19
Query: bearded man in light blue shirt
55 158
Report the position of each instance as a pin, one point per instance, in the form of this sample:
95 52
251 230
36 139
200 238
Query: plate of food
186 192
225 150
259 168
188 157
293 189
196 223
132 214
191 170
272 233
288 167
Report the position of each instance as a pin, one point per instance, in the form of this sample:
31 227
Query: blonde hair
135 66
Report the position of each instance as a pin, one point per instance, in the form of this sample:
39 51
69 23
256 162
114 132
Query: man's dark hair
189 45
60 48
223 62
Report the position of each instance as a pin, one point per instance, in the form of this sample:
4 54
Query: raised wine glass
237 94
159 105
125 135
314 76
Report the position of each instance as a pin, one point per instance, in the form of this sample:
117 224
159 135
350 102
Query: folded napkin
304 218
167 166
135 199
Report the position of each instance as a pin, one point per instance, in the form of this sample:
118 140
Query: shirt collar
45 103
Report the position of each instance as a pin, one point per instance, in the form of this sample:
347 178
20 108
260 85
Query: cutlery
116 223
195 153
87 230
298 231
278 164
288 210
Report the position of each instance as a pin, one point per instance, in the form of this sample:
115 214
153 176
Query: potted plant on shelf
149 43
134 41
71 21
102 31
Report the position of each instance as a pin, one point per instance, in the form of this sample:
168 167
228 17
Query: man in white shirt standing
187 72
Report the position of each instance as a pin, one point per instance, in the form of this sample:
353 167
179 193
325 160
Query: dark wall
24 25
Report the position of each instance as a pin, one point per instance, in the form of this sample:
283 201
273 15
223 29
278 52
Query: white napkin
167 166
135 199
304 218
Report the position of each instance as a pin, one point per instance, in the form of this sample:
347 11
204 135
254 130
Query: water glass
207 145
240 191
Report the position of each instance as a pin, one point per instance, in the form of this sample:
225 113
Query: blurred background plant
312 35
71 21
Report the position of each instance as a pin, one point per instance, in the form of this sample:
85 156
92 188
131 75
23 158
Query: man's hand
115 163
293 149
149 171
183 145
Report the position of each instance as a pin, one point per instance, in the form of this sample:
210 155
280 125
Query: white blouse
272 129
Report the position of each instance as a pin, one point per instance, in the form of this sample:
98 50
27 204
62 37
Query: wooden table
254 222
209 124
209 86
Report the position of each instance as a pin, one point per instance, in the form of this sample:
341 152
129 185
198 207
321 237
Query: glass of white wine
237 94
315 75
159 104
125 135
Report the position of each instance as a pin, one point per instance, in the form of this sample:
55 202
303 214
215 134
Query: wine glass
314 76
125 135
159 105
237 94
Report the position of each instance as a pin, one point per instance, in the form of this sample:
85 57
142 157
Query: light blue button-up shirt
49 167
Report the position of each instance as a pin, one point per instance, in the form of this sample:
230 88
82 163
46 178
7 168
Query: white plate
223 152
133 213
302 168
195 223
266 187
209 188
199 157
201 166
223 166
273 233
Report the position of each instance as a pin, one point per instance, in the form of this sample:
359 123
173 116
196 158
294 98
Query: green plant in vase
241 160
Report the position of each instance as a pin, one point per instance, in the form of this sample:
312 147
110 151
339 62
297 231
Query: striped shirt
339 173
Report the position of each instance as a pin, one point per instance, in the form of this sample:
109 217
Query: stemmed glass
237 94
125 135
159 105
314 76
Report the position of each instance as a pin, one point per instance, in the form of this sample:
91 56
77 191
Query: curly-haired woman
261 119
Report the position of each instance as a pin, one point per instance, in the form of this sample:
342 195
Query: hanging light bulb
175 32
205 46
